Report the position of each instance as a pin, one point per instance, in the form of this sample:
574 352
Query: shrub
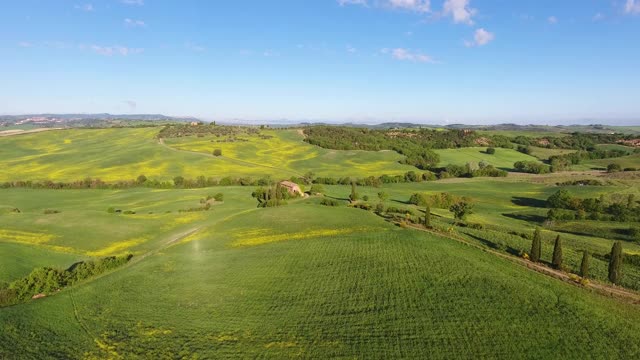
218 197
217 152
491 151
51 211
329 202
365 198
611 168
316 189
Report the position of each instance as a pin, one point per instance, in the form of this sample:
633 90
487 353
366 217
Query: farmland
122 154
502 159
226 279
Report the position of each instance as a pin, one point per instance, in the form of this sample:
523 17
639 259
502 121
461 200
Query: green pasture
84 229
629 161
502 159
371 291
545 153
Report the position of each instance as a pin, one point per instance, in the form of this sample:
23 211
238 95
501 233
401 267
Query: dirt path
605 289
22 132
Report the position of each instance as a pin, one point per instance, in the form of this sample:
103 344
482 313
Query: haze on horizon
366 61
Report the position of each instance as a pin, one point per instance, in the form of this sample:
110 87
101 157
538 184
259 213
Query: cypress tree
584 265
615 263
557 253
536 246
427 216
354 194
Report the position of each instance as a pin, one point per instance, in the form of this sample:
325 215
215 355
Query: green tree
141 179
354 195
559 200
557 253
178 181
491 151
611 168
217 152
615 263
584 265
536 246
427 216
316 189
461 210
383 196
631 201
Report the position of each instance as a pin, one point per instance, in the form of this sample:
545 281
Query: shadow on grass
538 219
530 202
510 250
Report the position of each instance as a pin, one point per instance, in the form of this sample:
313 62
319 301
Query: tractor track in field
238 161
603 289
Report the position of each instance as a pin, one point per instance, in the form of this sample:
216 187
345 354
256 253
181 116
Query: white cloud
133 2
352 2
480 38
270 53
351 49
632 7
114 50
408 55
459 10
194 47
552 20
85 7
25 44
134 23
412 5
598 17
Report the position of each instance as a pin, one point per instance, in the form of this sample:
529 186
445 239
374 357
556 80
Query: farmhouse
291 187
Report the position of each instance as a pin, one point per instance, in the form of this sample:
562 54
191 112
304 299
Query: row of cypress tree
615 258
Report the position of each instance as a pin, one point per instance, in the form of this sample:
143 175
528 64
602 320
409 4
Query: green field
545 153
301 280
258 284
502 159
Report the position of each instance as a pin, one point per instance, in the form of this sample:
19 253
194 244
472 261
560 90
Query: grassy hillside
121 154
502 159
258 285
284 149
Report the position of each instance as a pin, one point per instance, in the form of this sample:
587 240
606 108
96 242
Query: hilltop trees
557 253
536 246
615 263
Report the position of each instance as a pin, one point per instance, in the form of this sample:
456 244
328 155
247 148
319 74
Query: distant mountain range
86 119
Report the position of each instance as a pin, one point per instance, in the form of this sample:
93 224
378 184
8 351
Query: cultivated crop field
317 277
370 291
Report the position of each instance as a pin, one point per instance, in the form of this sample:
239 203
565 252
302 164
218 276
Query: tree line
563 206
46 280
615 257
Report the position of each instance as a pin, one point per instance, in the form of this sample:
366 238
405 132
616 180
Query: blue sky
438 61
